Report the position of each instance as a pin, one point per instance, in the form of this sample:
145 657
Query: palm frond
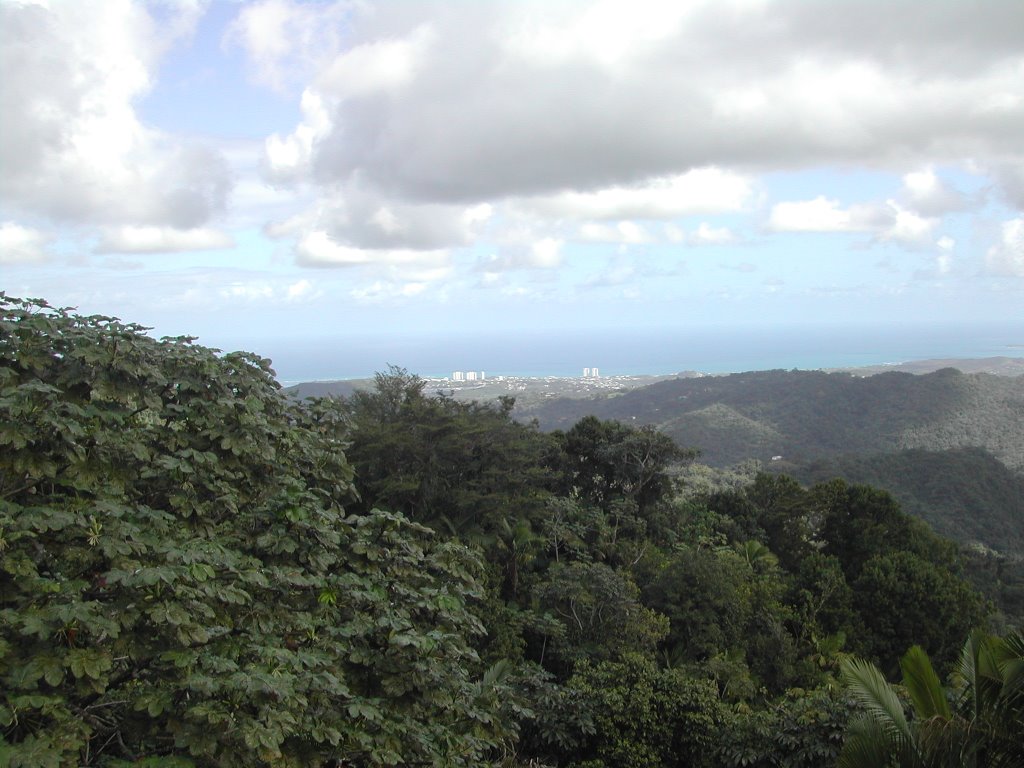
965 674
1009 656
869 689
923 685
867 745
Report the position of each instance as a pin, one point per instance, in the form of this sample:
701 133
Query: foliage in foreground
193 572
179 580
978 723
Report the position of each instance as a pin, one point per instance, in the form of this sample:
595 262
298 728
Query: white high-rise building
470 375
594 373
458 376
586 372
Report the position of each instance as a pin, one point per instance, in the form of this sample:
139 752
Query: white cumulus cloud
1007 256
543 254
699 191
359 219
589 121
821 215
908 227
74 148
471 101
318 249
287 41
927 194
22 245
625 232
944 259
705 234
130 239
888 221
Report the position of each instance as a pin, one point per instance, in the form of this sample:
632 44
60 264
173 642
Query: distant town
530 390
477 385
461 376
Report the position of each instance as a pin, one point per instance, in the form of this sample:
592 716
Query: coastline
537 388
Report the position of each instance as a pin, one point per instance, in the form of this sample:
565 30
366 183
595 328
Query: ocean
652 352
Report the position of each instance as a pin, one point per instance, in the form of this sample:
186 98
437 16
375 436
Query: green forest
807 416
198 570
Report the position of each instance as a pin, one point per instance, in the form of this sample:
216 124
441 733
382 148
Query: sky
253 173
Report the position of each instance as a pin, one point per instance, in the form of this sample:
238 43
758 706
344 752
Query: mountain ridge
816 414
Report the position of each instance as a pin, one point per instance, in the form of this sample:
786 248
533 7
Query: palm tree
756 555
977 723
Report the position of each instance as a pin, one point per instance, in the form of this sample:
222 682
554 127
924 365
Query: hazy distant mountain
809 415
800 416
342 388
1001 366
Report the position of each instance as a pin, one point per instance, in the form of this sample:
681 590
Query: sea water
618 352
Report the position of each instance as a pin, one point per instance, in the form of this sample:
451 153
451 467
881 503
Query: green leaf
926 691
869 688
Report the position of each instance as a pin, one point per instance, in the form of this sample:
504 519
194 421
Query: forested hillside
965 494
810 415
197 570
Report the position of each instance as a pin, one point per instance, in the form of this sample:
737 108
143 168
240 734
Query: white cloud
382 291
1007 256
608 33
944 260
264 291
542 254
524 99
254 202
819 215
625 232
1010 176
515 127
588 122
381 65
927 194
890 221
22 245
702 190
318 249
288 158
353 218
908 227
74 149
261 292
708 235
162 240
547 253
301 290
288 41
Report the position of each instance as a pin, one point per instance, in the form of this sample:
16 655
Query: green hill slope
729 431
809 415
965 494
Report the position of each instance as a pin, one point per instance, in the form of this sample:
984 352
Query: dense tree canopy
197 570
178 577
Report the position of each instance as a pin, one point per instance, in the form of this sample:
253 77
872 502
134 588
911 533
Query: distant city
588 373
468 376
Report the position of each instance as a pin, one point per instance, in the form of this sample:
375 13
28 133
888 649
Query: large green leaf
871 691
923 685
